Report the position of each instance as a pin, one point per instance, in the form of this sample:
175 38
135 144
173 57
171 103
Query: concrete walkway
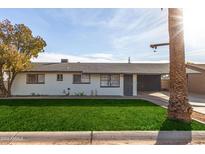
197 101
103 137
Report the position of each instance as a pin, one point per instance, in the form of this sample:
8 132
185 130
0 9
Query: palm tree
179 107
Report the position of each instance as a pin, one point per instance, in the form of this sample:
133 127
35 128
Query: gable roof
140 68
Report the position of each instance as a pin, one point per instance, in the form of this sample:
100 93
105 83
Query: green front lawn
84 115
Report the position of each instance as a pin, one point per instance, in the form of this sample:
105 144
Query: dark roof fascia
51 72
196 68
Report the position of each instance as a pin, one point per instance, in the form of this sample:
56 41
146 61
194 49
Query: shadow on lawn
179 135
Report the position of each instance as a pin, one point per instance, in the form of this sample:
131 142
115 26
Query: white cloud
56 57
145 27
196 53
99 58
126 30
196 56
132 41
83 17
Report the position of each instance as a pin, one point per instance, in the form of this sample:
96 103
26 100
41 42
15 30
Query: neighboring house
196 82
120 79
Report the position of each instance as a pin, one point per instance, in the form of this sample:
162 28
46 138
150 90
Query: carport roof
197 67
140 68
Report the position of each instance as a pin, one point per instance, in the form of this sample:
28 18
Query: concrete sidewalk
103 137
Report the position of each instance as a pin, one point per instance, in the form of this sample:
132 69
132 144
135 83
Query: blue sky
101 35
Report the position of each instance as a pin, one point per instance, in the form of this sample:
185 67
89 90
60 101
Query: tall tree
17 47
179 107
2 63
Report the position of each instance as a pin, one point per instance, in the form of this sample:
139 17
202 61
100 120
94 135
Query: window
76 78
104 80
85 78
110 80
115 81
81 78
35 79
59 77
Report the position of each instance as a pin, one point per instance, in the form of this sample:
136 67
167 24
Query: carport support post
179 107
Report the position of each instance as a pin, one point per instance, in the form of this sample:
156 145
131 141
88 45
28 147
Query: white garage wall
53 87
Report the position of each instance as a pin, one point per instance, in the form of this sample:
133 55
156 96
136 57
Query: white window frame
38 78
84 79
110 81
59 77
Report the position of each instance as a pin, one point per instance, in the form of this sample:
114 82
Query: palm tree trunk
179 107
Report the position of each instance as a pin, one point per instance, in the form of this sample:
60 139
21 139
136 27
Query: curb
104 137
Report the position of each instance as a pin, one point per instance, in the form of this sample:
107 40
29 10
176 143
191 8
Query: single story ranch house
92 79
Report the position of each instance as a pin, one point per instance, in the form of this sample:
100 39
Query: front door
128 85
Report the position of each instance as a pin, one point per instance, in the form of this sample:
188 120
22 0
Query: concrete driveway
197 101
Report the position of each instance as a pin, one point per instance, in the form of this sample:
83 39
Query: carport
149 82
155 77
